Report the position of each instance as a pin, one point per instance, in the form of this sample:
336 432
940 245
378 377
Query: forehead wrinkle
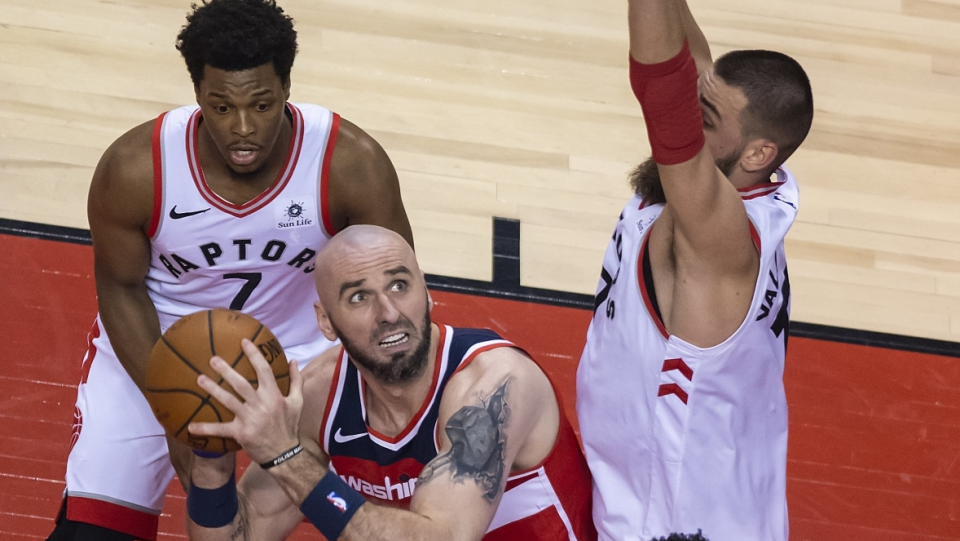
359 251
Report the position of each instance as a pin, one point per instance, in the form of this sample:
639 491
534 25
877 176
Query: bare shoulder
497 365
363 185
505 370
125 173
317 378
507 381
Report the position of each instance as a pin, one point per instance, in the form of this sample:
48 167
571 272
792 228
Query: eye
263 107
359 296
222 109
399 285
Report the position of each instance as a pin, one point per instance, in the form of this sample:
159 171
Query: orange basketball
184 352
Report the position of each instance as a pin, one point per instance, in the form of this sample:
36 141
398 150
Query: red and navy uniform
549 501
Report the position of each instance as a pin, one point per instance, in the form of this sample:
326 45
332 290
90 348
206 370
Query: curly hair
682 537
236 35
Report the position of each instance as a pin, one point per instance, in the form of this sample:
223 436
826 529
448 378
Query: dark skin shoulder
119 209
364 188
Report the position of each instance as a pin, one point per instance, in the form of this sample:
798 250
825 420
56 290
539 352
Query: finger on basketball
295 394
228 399
222 430
240 385
265 376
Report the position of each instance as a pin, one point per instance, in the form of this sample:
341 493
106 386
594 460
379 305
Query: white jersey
207 252
681 438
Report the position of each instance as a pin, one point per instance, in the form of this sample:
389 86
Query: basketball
184 352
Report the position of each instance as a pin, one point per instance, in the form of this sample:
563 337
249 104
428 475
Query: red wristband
667 93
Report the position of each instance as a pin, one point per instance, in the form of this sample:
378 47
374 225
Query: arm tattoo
476 433
241 531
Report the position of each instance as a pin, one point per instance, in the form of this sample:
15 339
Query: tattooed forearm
478 439
241 531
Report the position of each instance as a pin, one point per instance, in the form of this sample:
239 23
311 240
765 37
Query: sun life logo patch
293 215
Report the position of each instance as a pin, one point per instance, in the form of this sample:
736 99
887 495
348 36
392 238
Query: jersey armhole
335 388
157 150
325 176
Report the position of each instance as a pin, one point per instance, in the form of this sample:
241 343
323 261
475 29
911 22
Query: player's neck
742 180
240 188
391 407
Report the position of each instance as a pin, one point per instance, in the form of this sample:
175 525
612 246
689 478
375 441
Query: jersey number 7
252 281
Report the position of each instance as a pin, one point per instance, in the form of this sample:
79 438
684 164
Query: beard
645 179
402 367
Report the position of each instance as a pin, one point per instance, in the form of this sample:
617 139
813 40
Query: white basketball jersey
259 257
681 438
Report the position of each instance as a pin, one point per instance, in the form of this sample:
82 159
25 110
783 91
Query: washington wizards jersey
550 501
681 438
258 257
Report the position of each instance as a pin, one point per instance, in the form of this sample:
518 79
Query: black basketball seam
213 349
203 402
179 356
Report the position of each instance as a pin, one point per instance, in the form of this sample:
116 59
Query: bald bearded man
411 430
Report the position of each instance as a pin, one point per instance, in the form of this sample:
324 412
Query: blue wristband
330 505
213 507
206 454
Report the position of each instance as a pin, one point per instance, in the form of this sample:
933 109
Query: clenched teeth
395 339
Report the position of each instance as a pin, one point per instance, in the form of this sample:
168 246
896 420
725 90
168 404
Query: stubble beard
645 179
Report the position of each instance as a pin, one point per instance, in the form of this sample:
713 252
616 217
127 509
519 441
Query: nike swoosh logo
177 215
340 438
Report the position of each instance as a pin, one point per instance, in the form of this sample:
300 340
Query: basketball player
221 205
411 430
680 386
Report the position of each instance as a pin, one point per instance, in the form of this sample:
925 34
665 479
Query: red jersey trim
91 354
431 395
760 190
325 177
755 235
157 175
331 398
642 285
268 195
139 524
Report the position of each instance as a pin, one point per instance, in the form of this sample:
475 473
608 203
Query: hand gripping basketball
265 422
184 351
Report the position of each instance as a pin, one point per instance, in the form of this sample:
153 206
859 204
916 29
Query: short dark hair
779 98
235 35
682 537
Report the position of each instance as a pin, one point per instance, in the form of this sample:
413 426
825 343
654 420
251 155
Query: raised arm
364 188
119 209
710 222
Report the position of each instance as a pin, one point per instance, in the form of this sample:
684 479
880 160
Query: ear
286 90
758 155
323 321
423 275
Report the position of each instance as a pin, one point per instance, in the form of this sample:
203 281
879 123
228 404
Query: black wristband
330 505
213 507
284 456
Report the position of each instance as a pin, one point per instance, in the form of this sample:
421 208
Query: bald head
356 251
373 298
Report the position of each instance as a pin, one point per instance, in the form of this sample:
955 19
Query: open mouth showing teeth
395 339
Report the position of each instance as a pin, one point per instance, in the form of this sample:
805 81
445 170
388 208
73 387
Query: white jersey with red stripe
681 438
257 257
550 501
205 253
